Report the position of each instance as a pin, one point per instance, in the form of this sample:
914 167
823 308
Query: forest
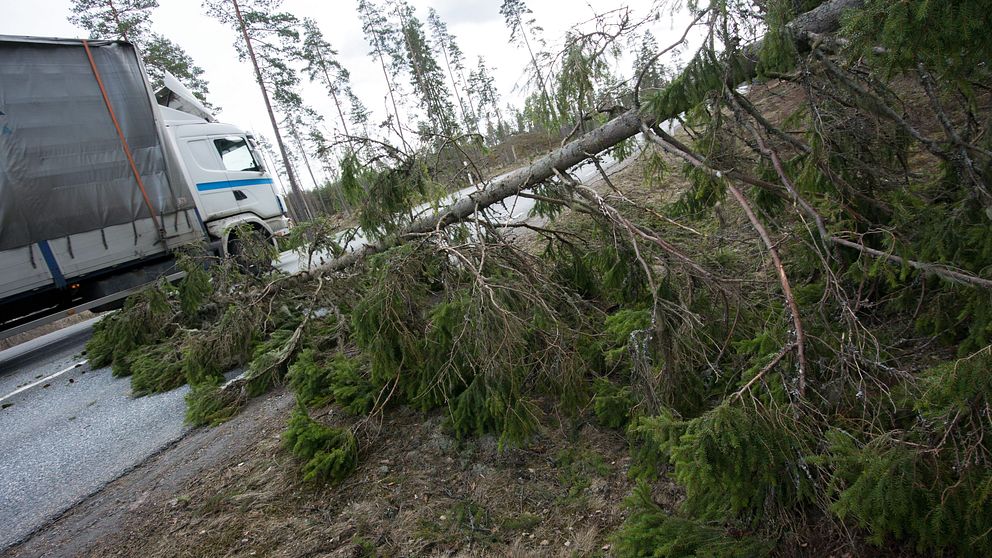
770 307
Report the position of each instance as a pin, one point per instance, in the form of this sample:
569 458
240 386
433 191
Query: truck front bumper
279 225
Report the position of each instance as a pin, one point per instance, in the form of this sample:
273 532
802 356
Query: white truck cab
227 177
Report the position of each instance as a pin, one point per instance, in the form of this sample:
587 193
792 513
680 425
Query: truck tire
237 250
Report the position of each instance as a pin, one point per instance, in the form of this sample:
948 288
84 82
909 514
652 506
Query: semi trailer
103 179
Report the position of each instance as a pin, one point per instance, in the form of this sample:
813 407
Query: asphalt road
513 209
67 429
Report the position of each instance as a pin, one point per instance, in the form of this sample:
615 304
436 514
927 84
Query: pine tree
584 79
130 20
268 40
358 114
454 61
162 55
653 76
426 76
482 85
323 67
383 39
329 192
306 119
298 117
519 119
524 29
269 154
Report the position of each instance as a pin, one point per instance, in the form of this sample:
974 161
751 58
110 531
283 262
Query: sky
476 24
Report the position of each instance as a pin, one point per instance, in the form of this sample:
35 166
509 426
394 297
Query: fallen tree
823 19
757 315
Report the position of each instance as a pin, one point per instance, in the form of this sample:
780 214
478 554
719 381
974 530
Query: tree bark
334 95
306 161
117 20
301 206
822 19
389 84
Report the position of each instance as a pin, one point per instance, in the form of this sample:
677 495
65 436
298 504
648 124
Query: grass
577 467
465 522
524 522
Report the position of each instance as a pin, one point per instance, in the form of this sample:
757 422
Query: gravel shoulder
114 510
233 491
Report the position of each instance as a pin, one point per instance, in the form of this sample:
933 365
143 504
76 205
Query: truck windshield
236 154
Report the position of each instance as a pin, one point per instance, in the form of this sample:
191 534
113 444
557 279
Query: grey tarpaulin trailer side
65 176
62 166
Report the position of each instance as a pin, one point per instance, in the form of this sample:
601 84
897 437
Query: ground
233 490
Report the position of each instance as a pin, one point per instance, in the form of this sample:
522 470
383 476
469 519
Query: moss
521 522
577 467
465 521
364 548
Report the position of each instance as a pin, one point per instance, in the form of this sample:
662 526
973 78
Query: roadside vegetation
786 310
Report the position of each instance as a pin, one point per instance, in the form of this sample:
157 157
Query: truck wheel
250 253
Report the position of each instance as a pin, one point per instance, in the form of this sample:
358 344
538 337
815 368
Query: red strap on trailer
120 134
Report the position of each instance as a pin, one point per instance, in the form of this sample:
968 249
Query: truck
102 179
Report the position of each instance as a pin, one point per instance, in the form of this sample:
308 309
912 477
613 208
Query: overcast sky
476 24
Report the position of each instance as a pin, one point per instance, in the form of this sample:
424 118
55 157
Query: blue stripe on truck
221 184
53 266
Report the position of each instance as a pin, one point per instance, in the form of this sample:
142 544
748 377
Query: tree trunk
822 19
334 95
454 87
392 99
344 123
117 20
472 108
389 84
540 76
301 209
306 162
510 184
